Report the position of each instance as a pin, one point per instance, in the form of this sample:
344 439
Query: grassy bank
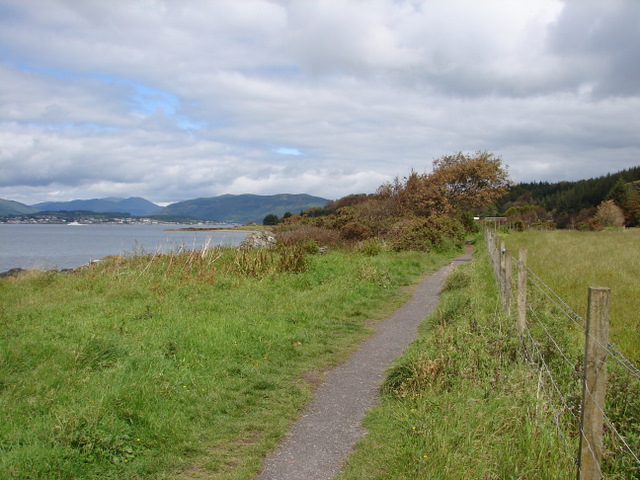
570 262
461 403
178 366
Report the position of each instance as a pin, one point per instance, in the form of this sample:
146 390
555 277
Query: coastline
244 228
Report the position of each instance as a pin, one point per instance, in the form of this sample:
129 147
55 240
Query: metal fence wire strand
611 425
550 386
545 368
555 299
550 337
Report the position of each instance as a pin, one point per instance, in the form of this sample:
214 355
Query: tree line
607 201
435 210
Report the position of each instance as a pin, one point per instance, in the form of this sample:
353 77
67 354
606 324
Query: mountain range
133 205
225 208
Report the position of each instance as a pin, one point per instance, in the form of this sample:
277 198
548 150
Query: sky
179 99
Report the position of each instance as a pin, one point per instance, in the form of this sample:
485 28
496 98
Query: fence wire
548 347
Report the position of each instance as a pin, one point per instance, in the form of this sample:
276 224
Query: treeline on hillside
585 204
418 212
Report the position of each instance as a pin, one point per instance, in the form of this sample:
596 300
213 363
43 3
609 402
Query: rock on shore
258 239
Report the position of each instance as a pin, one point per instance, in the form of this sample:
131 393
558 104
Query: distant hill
134 205
9 207
242 208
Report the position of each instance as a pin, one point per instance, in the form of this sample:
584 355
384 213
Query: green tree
632 214
619 194
270 219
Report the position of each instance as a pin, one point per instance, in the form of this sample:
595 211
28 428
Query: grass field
178 366
461 403
570 262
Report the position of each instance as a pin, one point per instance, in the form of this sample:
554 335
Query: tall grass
570 262
461 403
177 366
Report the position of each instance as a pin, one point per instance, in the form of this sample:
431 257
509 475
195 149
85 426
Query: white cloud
174 100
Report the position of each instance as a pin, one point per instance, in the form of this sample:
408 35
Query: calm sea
68 246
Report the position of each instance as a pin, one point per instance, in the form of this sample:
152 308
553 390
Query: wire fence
584 382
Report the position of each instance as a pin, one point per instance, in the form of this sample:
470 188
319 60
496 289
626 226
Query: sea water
44 247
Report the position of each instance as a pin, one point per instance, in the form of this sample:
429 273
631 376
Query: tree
469 182
619 193
632 214
270 219
609 215
458 182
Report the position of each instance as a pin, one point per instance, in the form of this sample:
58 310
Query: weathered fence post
594 385
502 269
498 253
507 282
521 319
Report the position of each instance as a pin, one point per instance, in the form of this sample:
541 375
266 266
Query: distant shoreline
245 228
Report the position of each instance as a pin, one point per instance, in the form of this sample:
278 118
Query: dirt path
320 440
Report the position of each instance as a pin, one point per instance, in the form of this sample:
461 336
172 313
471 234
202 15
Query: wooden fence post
507 282
502 269
521 319
594 385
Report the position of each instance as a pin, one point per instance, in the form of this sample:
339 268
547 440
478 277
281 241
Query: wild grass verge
178 366
461 403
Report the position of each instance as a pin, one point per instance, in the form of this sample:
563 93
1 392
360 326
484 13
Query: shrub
293 259
518 225
469 223
609 215
351 225
427 234
458 279
371 247
302 233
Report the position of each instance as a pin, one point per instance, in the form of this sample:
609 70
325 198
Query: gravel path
320 440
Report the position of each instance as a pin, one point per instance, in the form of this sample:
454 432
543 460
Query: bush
427 234
351 225
457 280
609 215
302 233
469 223
518 225
371 247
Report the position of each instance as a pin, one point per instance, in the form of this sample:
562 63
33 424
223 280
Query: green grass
570 262
461 403
178 366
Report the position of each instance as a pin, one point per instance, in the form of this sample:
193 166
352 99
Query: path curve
320 440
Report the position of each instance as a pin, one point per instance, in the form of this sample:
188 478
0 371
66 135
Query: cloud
600 44
175 100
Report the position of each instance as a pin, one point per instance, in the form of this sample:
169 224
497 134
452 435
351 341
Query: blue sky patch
287 151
